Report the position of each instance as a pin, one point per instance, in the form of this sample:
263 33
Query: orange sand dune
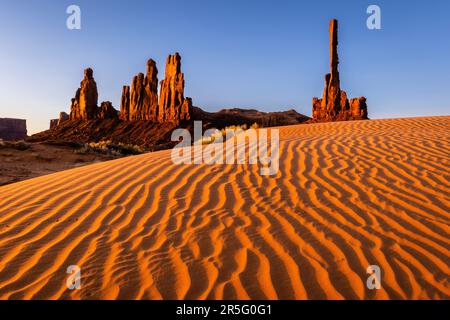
348 195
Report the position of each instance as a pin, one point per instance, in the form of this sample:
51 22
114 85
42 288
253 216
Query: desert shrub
109 148
127 149
18 145
223 133
21 145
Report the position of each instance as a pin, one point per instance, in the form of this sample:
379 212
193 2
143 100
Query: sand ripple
348 195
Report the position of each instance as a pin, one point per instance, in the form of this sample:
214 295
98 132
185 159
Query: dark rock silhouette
57 122
106 111
334 105
13 129
53 123
238 116
62 117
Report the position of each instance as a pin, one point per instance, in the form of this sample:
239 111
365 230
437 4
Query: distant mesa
13 129
334 104
238 116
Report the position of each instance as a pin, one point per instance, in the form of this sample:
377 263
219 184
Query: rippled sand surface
348 195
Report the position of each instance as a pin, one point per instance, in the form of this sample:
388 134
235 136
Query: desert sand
348 195
41 159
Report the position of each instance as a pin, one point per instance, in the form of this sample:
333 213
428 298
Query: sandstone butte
13 129
334 104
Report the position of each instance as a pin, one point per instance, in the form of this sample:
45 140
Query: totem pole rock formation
334 105
140 101
84 104
172 104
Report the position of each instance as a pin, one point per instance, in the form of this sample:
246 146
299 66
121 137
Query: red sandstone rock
358 108
125 103
334 104
84 105
106 111
141 102
186 110
172 105
62 117
53 123
56 122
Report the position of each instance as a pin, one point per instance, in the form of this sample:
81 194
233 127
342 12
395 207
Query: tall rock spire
125 103
141 102
172 104
334 104
84 105
333 84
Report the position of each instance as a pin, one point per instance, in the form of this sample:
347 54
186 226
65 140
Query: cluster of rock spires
140 102
334 104
147 118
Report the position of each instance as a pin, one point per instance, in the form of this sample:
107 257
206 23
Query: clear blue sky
269 55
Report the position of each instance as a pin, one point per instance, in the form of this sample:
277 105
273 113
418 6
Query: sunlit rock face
172 104
140 101
334 104
84 104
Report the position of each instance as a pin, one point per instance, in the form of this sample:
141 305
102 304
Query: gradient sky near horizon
269 55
